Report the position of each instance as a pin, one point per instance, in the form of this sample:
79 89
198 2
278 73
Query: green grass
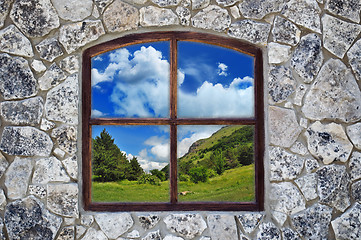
234 185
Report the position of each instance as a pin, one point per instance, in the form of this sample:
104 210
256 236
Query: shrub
183 177
198 174
148 178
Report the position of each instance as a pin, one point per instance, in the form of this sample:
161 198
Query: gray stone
334 94
268 231
281 83
28 219
313 223
222 226
278 53
356 191
235 12
80 230
170 237
308 186
299 148
38 66
283 165
46 125
148 221
199 4
49 170
95 12
153 236
37 191
186 225
121 16
93 234
73 10
338 35
257 9
184 15
14 42
354 165
25 141
71 166
250 221
4 10
354 58
16 79
70 64
207 238
62 101
114 224
303 122
63 199
151 16
226 3
251 31
279 217
285 31
102 4
284 129
307 58
311 165
69 221
298 97
75 35
135 234
66 137
354 133
3 164
212 17
305 13
328 142
27 111
166 3
349 9
289 234
49 49
286 198
333 186
2 200
17 177
66 233
35 18
59 153
347 226
86 220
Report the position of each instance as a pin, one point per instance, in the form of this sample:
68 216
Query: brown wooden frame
173 121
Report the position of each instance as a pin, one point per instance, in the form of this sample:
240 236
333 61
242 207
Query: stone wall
312 75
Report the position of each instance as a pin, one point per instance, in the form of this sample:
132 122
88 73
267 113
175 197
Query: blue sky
134 82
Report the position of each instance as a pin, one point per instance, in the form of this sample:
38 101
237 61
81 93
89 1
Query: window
182 117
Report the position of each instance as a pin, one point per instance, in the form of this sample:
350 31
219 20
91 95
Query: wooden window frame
257 121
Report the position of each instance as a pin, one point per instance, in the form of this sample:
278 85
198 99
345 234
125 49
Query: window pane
129 163
131 81
214 81
216 163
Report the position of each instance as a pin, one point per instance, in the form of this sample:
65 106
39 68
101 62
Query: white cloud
159 148
147 163
222 69
97 113
98 58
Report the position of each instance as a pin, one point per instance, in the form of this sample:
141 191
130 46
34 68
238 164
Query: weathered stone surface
114 224
3 164
304 122
334 94
80 230
184 15
199 4
86 220
250 221
222 226
347 226
356 191
27 111
4 10
212 17
16 79
298 97
284 129
186 225
93 234
279 217
25 141
38 66
102 4
226 3
311 165
28 219
349 9
257 9
308 186
2 201
333 186
338 35
299 148
153 236
268 231
235 12
313 223
154 16
283 165
135 234
95 12
70 64
328 142
121 16
286 198
148 221
251 31
354 165
62 101
66 137
37 191
76 35
59 153
285 31
63 199
278 53
35 18
67 233
171 237
49 170
305 13
49 49
14 42
354 133
73 10
281 83
71 166
289 234
166 3
17 177
46 125
307 58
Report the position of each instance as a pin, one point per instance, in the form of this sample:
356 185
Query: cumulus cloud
97 113
222 69
148 163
